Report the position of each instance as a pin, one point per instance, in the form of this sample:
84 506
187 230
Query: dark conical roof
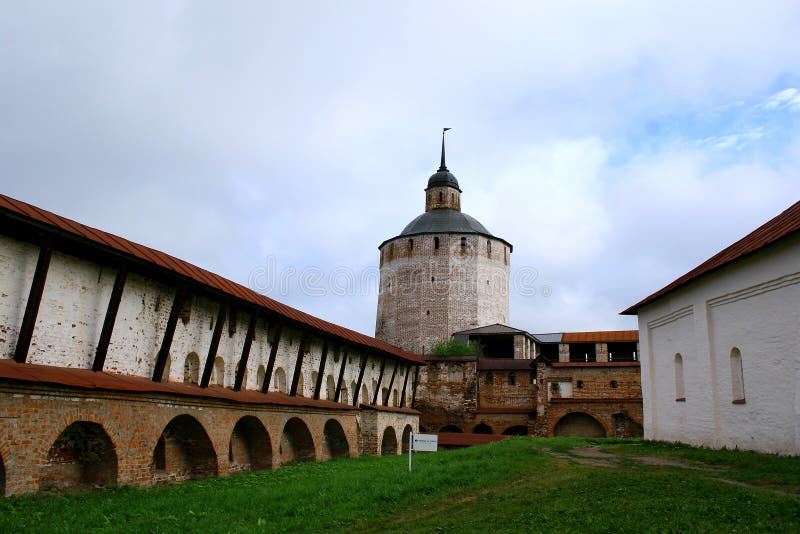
443 178
443 221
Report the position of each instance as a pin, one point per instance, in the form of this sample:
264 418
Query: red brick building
577 383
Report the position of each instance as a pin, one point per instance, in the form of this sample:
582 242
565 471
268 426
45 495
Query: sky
616 146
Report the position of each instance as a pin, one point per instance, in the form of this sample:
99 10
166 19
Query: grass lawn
517 485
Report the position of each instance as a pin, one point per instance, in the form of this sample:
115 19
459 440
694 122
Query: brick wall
426 294
611 393
33 417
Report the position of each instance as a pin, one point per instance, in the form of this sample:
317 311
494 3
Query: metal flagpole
410 448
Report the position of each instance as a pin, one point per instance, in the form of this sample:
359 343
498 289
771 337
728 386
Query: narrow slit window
463 242
737 376
410 245
680 390
436 243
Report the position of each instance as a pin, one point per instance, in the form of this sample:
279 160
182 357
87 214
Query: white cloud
226 133
786 98
737 141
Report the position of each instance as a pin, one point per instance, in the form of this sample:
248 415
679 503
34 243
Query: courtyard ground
517 485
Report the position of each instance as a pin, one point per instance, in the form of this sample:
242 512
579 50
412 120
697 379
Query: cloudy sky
278 143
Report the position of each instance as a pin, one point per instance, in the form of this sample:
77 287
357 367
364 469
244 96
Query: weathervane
443 167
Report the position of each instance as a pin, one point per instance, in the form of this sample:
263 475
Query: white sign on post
421 442
426 442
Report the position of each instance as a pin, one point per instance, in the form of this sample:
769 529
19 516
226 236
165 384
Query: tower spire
443 167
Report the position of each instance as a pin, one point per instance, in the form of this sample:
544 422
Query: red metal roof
594 364
503 364
201 276
105 381
777 228
507 409
600 337
454 439
392 409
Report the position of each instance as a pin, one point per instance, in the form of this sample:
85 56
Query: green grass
510 486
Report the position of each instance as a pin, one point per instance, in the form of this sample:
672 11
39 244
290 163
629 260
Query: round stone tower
444 273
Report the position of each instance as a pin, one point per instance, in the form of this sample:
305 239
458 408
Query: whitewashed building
720 346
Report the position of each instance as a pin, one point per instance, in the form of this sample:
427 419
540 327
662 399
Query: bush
454 347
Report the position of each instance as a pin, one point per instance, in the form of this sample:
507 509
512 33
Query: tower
445 272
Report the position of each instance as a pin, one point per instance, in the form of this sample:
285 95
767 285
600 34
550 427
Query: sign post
421 443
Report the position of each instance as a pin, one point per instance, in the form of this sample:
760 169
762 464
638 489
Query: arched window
260 376
737 376
280 379
330 387
680 389
191 368
219 371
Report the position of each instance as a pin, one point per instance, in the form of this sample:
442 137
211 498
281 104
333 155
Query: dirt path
595 457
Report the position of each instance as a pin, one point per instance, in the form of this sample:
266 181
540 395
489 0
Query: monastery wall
720 356
73 307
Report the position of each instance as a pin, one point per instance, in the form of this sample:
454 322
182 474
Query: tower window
463 242
512 379
441 196
433 279
490 378
410 245
614 384
489 248
436 243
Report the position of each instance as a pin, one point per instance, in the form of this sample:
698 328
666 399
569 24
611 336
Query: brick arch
165 417
249 447
184 450
516 430
578 416
334 440
82 456
482 428
48 433
297 442
389 441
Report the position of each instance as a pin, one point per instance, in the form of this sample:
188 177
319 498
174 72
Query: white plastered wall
752 304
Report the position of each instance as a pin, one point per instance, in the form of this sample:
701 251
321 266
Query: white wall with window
733 336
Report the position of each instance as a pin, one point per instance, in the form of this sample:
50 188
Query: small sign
426 442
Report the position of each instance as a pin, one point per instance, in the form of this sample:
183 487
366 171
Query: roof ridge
780 226
198 274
